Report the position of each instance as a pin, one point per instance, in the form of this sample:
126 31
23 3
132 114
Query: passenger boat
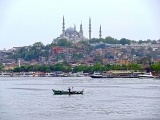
100 75
6 74
61 92
146 75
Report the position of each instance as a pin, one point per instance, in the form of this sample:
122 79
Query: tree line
123 41
65 67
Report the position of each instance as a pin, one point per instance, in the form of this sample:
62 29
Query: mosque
71 34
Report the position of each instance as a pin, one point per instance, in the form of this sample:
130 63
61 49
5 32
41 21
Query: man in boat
69 89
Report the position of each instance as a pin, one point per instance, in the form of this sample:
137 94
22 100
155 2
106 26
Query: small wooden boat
61 92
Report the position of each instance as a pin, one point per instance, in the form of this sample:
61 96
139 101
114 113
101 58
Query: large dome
70 30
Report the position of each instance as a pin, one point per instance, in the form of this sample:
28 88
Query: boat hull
146 77
61 92
101 76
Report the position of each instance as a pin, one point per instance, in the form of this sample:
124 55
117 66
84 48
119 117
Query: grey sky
24 22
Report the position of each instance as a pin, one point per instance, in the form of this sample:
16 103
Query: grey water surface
31 98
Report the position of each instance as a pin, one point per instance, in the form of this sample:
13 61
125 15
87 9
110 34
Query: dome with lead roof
70 31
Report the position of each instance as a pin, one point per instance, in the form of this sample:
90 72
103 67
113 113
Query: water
103 99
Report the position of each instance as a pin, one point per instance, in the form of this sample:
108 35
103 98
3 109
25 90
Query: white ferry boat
5 74
100 75
146 75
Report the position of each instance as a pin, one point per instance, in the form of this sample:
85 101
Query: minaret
81 30
19 63
63 27
100 32
74 33
89 28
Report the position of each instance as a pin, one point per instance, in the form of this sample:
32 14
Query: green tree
94 40
156 67
59 67
154 42
110 40
79 68
68 68
36 67
124 41
44 68
60 56
38 44
16 70
1 66
29 56
75 56
144 60
84 42
148 40
140 42
135 67
80 55
64 42
98 67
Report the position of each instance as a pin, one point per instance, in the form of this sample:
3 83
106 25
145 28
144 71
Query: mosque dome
70 30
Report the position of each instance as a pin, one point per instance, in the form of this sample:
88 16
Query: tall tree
124 41
1 66
38 44
110 40
64 42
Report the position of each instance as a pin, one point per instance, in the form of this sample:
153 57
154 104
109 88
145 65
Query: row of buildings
112 54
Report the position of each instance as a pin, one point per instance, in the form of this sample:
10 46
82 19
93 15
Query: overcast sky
24 22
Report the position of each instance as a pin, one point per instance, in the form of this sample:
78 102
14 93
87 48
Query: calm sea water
27 98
